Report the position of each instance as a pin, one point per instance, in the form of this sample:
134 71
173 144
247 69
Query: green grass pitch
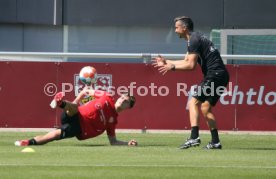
157 156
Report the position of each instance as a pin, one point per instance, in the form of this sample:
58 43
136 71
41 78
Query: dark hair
187 22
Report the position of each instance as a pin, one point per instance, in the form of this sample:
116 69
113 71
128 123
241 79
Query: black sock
194 132
63 104
215 137
32 142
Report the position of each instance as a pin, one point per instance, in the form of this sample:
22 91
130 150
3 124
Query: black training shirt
208 57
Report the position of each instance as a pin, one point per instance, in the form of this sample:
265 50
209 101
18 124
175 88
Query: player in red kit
87 121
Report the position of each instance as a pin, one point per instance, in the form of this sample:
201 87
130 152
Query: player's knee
205 109
64 130
68 131
193 102
57 134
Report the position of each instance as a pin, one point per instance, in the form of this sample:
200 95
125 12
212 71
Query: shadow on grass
145 145
90 145
254 148
107 145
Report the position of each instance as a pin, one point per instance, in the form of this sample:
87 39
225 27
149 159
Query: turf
157 156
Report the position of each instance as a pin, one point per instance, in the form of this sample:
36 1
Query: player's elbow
191 66
191 62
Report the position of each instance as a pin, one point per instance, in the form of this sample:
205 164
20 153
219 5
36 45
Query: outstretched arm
86 91
113 141
163 65
176 62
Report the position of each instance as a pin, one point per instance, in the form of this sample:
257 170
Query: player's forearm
113 141
77 100
79 97
174 62
177 62
185 65
85 91
118 142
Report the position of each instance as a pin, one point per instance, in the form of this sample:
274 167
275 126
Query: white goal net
245 42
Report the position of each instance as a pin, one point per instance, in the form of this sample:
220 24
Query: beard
180 36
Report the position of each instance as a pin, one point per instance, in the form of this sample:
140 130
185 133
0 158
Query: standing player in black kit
201 51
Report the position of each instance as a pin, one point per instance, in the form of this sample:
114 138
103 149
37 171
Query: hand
158 61
57 101
165 68
59 96
132 143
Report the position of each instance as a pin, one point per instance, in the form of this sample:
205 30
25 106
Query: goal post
245 41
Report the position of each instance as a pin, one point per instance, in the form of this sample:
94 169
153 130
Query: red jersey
98 115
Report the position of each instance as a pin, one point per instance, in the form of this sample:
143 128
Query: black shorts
70 126
211 88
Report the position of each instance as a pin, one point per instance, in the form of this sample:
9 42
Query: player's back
209 57
96 116
98 110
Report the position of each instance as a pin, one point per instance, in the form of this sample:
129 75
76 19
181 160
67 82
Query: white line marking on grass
152 166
